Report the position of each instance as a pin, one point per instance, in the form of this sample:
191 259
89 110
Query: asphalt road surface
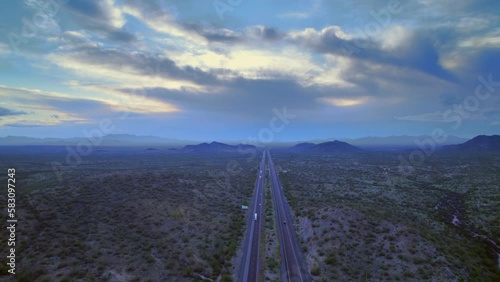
293 266
251 264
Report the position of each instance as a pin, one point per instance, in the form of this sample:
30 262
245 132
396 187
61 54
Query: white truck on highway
255 215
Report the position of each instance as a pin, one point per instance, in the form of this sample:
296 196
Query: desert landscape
359 218
143 214
128 215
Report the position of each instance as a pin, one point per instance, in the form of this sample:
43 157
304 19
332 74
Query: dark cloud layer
418 52
19 124
253 98
266 33
145 64
9 112
94 15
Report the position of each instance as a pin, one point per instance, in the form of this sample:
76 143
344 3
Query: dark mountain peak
478 143
209 147
302 146
485 138
331 143
219 144
334 146
395 142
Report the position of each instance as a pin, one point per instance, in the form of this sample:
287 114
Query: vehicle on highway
255 216
284 222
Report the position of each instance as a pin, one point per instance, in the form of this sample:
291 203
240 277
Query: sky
232 70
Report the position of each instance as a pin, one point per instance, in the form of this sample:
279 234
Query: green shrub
315 270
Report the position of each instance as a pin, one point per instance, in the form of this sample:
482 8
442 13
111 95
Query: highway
251 264
293 266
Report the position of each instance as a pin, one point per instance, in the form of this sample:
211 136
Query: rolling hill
325 147
216 147
480 143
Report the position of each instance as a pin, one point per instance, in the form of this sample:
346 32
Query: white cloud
393 37
314 37
115 13
489 40
261 63
37 112
124 76
135 102
41 106
346 102
163 22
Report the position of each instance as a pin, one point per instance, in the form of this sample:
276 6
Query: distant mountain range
386 143
112 140
479 143
325 147
398 142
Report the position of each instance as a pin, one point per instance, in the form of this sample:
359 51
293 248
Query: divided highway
293 266
251 264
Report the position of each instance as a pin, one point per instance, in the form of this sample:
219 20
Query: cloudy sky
215 70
